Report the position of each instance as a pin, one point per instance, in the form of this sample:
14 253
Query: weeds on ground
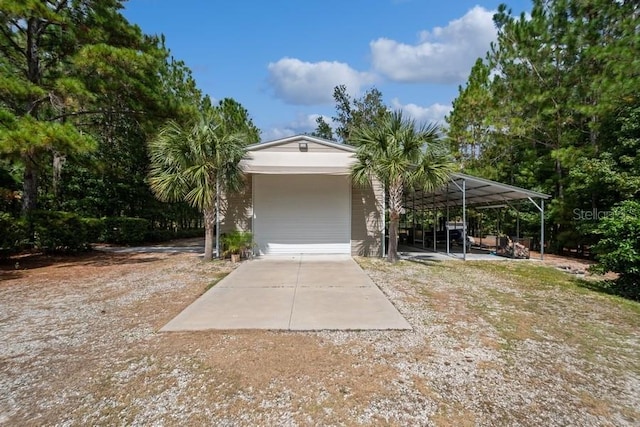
216 279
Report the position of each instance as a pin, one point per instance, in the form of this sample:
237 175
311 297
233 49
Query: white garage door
302 214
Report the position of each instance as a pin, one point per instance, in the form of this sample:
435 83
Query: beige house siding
367 211
236 211
367 203
367 219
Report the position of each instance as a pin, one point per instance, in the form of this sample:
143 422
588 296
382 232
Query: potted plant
236 243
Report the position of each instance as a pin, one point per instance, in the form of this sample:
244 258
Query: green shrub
164 235
618 250
188 233
125 230
95 229
13 237
236 242
55 231
155 236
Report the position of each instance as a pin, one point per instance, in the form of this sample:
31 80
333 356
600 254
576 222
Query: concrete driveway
303 292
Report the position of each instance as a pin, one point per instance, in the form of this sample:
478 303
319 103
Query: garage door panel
302 214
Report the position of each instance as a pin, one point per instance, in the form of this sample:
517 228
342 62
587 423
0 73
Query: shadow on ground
103 255
14 268
422 259
612 287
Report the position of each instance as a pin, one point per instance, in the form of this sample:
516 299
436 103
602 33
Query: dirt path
81 347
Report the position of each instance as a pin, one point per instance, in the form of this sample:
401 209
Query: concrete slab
258 274
304 292
225 308
427 254
344 308
341 273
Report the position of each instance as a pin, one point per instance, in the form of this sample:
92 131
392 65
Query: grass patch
541 277
217 278
528 302
614 289
532 275
556 307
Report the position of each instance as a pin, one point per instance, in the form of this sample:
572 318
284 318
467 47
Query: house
299 198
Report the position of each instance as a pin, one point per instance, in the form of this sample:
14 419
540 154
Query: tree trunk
394 221
558 227
58 161
395 205
209 221
30 183
29 186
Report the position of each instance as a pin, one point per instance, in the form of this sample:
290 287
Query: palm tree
195 163
400 155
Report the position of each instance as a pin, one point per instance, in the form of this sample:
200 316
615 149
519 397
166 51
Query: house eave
301 138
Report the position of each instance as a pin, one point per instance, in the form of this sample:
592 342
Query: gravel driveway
493 344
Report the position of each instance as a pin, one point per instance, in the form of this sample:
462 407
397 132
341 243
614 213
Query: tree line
554 106
82 91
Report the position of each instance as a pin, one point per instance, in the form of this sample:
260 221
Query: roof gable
291 144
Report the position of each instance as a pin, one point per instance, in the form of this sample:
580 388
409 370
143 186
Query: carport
465 191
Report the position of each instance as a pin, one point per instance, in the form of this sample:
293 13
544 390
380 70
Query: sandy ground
492 344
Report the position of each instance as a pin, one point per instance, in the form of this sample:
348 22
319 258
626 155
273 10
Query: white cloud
312 83
276 133
303 123
423 115
443 55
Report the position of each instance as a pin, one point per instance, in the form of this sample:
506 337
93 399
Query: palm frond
187 161
435 167
398 151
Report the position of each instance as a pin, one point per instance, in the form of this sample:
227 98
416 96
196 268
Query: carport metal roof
477 192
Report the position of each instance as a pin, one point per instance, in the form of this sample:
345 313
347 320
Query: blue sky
281 58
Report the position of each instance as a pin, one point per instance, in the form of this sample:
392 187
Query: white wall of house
302 214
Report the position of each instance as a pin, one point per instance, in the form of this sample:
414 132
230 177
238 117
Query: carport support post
541 209
217 218
542 229
464 219
413 216
422 219
384 221
463 190
446 223
435 221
